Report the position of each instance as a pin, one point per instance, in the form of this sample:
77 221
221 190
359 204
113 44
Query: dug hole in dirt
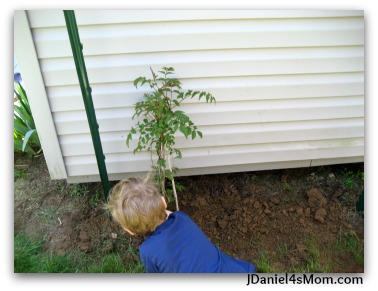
292 220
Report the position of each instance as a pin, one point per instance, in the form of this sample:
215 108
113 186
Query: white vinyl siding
289 85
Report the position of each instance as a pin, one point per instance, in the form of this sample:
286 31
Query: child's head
137 205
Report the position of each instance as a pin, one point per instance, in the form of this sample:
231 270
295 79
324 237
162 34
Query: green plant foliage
26 255
29 257
351 179
160 119
113 263
19 174
25 134
350 242
263 265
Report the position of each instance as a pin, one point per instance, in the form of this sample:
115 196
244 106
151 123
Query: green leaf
136 81
22 113
199 133
178 154
20 127
184 130
129 137
26 138
181 116
194 94
161 163
175 127
22 97
18 147
24 133
193 134
188 93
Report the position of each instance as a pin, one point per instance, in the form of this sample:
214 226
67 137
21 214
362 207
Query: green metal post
360 202
86 91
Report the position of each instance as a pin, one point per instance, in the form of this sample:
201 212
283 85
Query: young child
174 243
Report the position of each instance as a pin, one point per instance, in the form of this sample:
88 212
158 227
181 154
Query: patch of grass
289 187
65 263
71 190
349 179
29 257
350 242
76 190
312 262
26 255
46 214
113 263
20 174
95 199
282 249
263 264
352 179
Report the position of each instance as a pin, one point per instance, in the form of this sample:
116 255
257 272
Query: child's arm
148 264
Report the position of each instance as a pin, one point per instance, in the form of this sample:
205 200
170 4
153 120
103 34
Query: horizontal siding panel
205 27
60 72
205 157
68 98
202 56
273 152
228 135
234 40
202 35
224 113
54 18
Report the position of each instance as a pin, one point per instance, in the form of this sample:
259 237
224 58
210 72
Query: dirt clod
320 215
316 199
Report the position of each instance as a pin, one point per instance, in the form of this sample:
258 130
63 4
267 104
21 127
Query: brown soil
281 215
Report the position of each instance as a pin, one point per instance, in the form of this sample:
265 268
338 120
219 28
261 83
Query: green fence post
86 91
360 202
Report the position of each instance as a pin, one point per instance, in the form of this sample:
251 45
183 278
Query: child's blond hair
136 205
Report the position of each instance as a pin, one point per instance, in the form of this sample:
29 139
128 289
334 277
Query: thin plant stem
173 183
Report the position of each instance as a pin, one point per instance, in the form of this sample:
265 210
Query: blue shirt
179 246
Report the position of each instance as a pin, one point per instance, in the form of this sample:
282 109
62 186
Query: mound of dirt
276 212
283 215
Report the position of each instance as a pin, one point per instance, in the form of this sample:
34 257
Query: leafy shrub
25 134
161 120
